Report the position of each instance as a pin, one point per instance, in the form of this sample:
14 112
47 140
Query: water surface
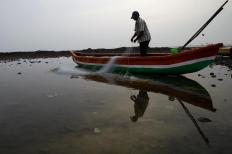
48 113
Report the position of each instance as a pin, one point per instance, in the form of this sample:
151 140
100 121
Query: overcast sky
28 25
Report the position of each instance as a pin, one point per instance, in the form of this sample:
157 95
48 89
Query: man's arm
139 35
132 38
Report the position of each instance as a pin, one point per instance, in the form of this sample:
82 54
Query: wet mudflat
42 112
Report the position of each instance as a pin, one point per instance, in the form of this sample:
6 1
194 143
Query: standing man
141 34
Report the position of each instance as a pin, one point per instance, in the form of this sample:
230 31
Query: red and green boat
187 61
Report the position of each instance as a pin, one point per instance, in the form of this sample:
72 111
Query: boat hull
170 69
181 63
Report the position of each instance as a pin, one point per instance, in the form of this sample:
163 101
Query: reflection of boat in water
178 87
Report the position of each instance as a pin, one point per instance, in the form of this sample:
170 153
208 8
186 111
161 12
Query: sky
29 25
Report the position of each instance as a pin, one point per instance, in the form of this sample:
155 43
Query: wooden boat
187 61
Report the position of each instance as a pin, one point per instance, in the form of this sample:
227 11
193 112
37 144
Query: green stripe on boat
188 68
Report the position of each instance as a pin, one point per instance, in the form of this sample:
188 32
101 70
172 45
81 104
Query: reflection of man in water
141 102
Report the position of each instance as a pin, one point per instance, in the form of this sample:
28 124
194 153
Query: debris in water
97 130
203 119
220 79
19 73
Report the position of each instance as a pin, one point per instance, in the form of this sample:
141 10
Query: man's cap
135 14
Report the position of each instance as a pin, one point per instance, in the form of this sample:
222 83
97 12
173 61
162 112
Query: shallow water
47 113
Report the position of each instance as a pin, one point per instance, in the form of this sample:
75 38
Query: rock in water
203 119
213 85
211 73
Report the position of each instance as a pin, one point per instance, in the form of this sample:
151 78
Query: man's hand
132 39
133 97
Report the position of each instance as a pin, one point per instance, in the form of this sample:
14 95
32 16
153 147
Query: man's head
135 15
134 118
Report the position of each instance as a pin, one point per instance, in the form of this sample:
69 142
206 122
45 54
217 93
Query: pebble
213 85
220 79
19 73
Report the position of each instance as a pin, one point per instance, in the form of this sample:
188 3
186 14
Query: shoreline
12 56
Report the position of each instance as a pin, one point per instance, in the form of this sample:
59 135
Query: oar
174 50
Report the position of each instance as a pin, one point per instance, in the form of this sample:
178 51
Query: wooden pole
203 27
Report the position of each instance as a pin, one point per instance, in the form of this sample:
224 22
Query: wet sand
46 113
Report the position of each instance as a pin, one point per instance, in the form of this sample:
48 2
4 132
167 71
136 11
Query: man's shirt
140 25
